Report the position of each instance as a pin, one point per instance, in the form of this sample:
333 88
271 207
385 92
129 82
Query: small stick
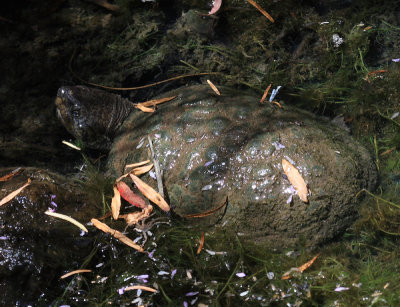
156 168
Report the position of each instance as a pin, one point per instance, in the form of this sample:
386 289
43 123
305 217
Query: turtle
230 146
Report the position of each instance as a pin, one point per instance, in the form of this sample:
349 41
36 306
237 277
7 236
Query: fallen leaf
379 71
150 193
116 234
258 7
295 179
115 203
201 243
214 88
10 196
71 145
300 269
216 7
155 102
306 265
265 94
135 217
68 219
145 288
142 169
129 196
144 109
12 174
75 272
137 164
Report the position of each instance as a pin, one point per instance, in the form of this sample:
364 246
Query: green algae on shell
210 147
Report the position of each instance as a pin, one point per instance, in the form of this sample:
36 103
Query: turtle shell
211 147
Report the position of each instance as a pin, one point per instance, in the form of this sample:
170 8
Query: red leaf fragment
129 196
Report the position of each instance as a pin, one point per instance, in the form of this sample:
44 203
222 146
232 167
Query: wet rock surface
36 249
211 147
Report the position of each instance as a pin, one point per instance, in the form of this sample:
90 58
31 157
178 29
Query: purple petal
121 290
54 204
144 276
3 238
192 293
240 274
152 253
208 163
339 289
52 196
185 304
396 60
173 273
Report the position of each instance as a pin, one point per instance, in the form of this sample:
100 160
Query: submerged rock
211 147
36 249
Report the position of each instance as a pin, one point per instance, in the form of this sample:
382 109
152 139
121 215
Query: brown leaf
15 193
265 93
144 109
116 234
296 180
136 217
258 7
137 164
155 102
150 193
300 269
201 243
115 203
214 88
145 288
12 174
142 169
75 272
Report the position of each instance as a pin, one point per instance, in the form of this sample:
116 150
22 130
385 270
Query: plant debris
201 243
214 88
10 196
296 180
150 193
137 287
265 93
68 219
115 203
8 176
75 272
264 12
71 145
116 234
127 194
300 269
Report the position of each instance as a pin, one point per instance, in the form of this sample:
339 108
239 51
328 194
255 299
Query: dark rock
36 249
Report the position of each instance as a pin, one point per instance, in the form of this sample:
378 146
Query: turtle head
91 115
